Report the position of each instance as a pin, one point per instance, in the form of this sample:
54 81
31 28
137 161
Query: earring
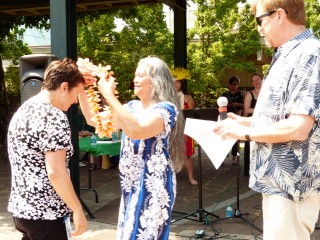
63 93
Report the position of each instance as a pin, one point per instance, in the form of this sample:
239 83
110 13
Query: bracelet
247 136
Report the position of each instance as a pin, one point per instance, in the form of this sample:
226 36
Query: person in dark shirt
251 97
250 101
235 105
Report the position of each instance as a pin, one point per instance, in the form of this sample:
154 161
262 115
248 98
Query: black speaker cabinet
32 68
202 113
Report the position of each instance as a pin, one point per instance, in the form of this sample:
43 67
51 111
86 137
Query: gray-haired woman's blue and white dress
147 178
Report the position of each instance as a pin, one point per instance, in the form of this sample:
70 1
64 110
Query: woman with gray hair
152 149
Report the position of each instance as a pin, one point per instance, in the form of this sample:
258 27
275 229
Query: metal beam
64 44
42 7
180 35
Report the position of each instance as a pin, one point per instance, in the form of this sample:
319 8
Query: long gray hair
164 90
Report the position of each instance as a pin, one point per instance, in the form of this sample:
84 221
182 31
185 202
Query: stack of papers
214 146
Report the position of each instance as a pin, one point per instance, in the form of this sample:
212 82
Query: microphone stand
237 212
202 213
222 103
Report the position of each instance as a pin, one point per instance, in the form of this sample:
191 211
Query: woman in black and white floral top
39 147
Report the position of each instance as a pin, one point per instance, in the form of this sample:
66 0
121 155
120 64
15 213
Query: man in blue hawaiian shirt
285 128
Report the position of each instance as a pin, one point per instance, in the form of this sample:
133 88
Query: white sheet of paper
215 147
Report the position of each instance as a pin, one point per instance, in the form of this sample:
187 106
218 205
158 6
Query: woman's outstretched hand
107 87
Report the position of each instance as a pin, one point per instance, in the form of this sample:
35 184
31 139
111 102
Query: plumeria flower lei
102 114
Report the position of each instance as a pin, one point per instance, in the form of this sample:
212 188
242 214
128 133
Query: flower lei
92 74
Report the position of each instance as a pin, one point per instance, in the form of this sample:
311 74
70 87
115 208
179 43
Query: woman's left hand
107 87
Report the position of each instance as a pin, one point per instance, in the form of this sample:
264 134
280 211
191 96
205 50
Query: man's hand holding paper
215 146
232 129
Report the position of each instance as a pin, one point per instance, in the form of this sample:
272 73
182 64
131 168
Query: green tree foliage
227 36
313 16
14 46
145 33
11 48
14 49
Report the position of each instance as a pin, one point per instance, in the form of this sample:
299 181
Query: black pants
41 229
246 160
235 149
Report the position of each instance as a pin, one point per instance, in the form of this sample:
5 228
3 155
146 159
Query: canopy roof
42 7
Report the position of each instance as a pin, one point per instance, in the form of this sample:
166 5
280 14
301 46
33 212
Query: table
111 148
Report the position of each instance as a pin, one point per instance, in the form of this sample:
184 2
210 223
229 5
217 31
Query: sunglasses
258 19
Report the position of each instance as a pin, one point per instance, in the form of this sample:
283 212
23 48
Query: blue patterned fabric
292 86
147 178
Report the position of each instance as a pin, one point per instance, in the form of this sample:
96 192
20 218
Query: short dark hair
60 71
234 79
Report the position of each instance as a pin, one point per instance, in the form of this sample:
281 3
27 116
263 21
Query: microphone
222 103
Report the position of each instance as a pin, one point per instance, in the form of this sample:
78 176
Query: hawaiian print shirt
292 86
36 128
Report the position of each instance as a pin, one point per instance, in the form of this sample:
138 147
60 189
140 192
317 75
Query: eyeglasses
258 19
234 84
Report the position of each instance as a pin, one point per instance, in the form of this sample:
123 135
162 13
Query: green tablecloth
106 148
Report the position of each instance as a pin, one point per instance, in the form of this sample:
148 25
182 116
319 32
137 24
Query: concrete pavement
219 188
